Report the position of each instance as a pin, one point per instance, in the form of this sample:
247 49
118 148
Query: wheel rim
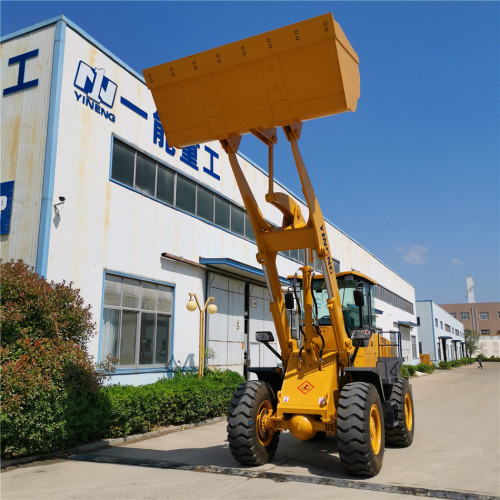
408 412
375 429
265 409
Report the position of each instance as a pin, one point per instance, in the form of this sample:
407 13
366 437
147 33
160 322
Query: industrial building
93 194
440 334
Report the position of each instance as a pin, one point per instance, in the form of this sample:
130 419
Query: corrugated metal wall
24 116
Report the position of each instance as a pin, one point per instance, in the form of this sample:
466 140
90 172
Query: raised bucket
299 72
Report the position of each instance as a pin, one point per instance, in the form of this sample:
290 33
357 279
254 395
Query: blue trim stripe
134 108
42 256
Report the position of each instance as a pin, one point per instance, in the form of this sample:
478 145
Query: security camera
62 199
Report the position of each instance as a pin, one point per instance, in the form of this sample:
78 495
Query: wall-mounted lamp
209 306
62 199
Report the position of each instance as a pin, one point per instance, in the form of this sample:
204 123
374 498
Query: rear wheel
360 429
402 434
249 440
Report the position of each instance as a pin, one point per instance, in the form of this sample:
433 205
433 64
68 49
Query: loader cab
356 297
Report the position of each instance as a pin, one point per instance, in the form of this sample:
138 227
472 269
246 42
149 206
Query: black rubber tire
401 435
242 432
357 453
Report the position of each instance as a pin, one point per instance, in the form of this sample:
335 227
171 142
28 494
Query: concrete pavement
455 454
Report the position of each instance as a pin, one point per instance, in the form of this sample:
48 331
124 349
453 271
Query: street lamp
209 306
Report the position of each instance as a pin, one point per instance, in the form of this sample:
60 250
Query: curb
104 443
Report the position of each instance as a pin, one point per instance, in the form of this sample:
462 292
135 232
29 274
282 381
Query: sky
414 174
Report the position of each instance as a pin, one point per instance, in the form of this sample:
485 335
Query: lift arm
276 79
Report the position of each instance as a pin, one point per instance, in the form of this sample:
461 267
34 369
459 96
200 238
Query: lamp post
209 306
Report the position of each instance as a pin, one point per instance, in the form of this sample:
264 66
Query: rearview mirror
359 298
289 300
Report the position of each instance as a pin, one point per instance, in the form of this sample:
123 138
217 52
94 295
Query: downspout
42 256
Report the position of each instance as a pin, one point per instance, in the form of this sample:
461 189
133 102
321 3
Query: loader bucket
299 72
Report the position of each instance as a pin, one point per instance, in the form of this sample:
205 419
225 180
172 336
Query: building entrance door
226 329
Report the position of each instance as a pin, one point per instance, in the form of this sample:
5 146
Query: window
436 321
391 298
484 315
237 220
485 332
122 168
205 204
498 314
454 315
441 323
165 185
185 194
464 316
136 326
414 351
447 328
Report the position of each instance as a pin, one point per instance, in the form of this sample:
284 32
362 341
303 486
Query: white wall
23 138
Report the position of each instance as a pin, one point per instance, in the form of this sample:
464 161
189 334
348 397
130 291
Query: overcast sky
414 174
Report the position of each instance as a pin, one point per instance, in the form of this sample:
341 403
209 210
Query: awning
446 337
454 340
407 323
238 269
379 311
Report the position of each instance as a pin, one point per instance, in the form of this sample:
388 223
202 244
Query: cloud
415 254
457 262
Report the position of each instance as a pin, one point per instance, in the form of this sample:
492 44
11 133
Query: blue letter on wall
21 84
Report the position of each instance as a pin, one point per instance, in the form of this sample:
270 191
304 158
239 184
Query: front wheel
250 442
402 434
360 429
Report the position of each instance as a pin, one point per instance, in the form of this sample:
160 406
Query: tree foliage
472 341
31 307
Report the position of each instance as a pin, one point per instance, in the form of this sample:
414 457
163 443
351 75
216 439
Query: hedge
181 400
55 413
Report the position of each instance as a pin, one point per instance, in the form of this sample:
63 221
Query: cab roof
341 275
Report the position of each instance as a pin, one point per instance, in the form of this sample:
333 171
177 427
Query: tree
472 339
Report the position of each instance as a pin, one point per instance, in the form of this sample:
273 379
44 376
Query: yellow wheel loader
337 376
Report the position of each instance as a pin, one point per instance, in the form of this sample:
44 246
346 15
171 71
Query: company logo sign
96 89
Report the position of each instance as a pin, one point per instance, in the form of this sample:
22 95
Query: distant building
440 334
483 317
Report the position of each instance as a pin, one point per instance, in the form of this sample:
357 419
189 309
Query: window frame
137 367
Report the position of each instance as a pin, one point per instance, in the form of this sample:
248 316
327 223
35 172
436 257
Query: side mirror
289 301
359 298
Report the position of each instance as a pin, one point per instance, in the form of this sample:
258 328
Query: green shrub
425 368
33 308
51 397
444 365
407 371
491 358
181 400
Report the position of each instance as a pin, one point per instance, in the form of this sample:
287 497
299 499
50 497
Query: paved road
455 454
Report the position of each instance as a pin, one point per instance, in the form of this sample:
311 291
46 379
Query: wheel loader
337 376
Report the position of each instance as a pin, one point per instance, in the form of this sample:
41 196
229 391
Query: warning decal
306 387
